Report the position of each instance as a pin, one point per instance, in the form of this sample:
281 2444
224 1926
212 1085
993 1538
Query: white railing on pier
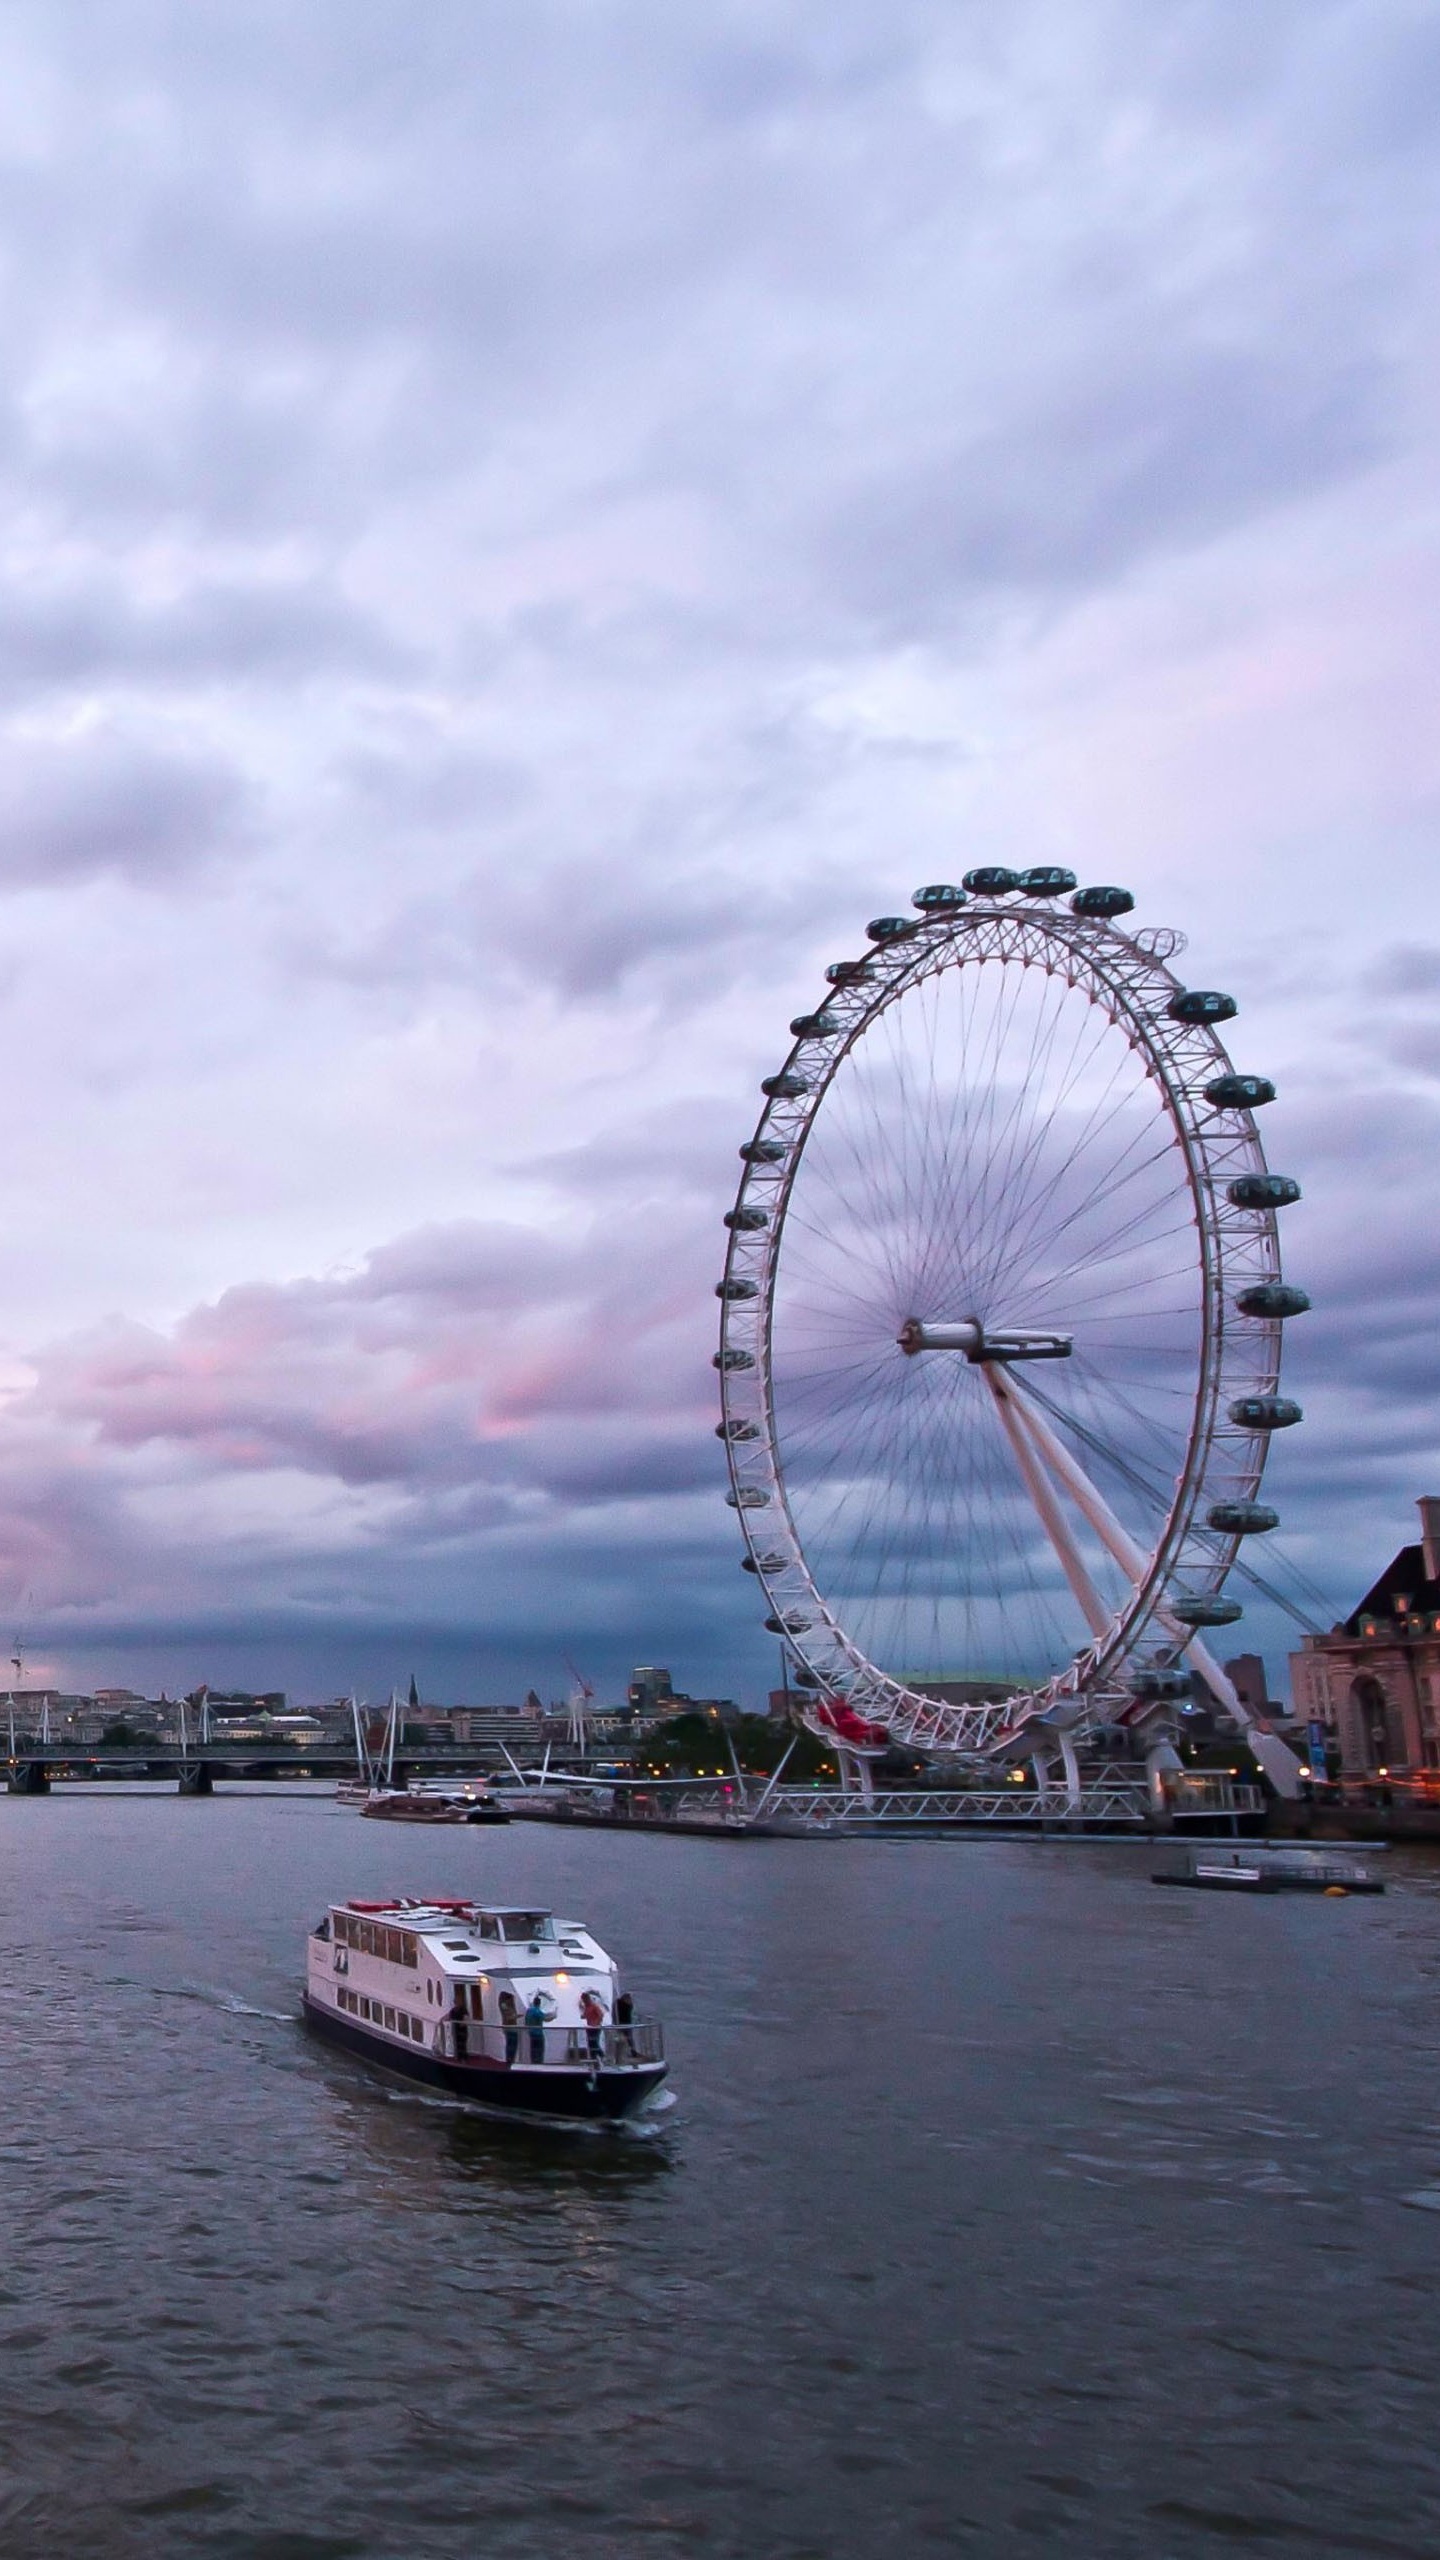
1123 1801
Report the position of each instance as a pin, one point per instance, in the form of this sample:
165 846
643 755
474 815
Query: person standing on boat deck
510 2021
535 2021
592 2010
624 2021
459 2031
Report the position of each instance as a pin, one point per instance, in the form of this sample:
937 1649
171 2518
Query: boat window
409 1951
390 2020
477 2001
342 1929
489 1925
456 1946
527 1924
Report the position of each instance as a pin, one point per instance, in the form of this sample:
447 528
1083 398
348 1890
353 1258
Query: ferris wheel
1000 1329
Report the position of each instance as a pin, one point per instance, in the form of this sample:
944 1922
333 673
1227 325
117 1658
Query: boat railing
551 2047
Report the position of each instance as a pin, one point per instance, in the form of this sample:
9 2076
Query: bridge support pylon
28 1778
196 1779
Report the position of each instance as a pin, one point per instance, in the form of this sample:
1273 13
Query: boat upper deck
461 1938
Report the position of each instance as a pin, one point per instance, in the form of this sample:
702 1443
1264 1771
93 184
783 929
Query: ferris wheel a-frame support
1042 1457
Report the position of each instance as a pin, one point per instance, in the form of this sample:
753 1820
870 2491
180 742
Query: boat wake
211 1996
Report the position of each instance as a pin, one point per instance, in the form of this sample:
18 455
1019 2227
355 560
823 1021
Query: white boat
488 2003
432 1804
424 1800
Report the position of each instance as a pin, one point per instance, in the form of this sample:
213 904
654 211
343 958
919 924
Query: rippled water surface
1005 2205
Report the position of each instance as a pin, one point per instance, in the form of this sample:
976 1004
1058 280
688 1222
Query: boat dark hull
568 2094
426 1812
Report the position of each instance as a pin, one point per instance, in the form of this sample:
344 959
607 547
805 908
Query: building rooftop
1404 1590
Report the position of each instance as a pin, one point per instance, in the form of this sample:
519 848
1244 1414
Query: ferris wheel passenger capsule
1266 1413
751 1497
1205 1609
764 1151
786 1087
1202 1004
747 1220
813 1026
762 1564
1239 1093
737 1289
732 1359
1162 1682
737 1430
845 973
1101 903
1046 880
795 1626
891 928
939 895
992 880
1263 1191
1273 1298
1242 1519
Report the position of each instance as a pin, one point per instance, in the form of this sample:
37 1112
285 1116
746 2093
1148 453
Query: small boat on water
1257 1869
432 1804
507 2008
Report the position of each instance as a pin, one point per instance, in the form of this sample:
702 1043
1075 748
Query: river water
1005 2205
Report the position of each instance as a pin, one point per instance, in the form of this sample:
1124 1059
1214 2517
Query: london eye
1001 1323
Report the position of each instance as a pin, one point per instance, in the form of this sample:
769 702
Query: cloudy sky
520 527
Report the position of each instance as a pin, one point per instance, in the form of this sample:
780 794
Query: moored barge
507 2008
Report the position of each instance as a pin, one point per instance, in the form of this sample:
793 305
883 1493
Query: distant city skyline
522 531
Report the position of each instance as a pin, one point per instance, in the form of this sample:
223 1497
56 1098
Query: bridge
35 1767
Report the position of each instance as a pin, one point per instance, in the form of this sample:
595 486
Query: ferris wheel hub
979 1342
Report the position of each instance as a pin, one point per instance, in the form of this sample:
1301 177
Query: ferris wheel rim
1139 994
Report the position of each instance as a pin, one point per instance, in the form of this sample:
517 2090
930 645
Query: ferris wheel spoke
1119 1176
1128 1233
1014 1191
1096 1122
972 1222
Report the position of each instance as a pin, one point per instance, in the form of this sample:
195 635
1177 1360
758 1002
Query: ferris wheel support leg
1014 1418
855 1778
1274 1756
1072 1772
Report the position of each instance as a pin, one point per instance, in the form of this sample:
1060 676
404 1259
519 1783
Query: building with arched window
1374 1681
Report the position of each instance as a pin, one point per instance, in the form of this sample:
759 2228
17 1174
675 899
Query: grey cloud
1406 969
1173 450
435 790
100 802
57 641
467 1266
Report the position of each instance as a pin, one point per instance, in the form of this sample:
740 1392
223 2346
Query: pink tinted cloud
432 1363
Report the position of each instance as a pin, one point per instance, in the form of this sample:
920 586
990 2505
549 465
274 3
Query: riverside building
1373 1682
